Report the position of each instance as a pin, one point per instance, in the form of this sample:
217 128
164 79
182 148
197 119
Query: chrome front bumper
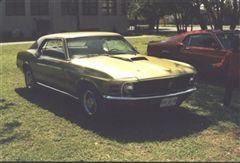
182 93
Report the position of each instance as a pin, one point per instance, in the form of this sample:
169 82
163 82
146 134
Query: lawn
48 126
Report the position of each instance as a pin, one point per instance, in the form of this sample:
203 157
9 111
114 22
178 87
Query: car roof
67 35
79 34
181 36
207 31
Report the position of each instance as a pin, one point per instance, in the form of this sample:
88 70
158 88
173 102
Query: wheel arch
26 66
83 83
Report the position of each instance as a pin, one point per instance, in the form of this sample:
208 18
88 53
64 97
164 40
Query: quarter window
109 7
15 7
53 48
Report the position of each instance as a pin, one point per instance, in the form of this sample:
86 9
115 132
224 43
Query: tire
29 79
91 102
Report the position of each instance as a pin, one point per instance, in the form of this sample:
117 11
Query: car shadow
122 124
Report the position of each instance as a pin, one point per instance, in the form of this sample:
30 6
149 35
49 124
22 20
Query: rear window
225 38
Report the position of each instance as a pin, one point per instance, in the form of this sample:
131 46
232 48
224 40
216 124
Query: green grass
141 43
49 126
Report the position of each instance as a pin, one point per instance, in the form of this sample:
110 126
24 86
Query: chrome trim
49 66
41 64
150 97
126 98
44 85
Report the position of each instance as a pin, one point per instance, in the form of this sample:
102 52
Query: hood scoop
138 58
130 59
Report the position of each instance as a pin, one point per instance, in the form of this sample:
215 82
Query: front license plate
166 102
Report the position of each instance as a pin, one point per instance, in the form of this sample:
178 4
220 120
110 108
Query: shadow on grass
4 104
207 101
128 124
8 133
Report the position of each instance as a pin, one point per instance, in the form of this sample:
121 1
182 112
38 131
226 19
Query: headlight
127 88
192 80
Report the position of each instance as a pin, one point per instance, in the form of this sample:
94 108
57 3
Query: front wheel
92 102
29 79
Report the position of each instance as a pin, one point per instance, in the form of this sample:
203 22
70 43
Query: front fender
24 57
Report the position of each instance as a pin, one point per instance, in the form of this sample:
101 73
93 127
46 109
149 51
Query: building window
69 7
39 7
124 7
109 7
90 7
15 7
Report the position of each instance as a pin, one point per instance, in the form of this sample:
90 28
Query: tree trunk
157 23
176 22
235 15
78 22
135 22
211 16
196 12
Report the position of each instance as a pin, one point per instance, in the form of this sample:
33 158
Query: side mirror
180 44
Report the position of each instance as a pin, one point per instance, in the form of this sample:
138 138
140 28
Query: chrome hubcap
89 102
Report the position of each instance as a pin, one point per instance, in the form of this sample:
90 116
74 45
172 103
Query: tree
151 11
215 13
181 10
197 13
235 14
182 14
134 11
215 10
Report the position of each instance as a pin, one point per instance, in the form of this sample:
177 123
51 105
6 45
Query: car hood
134 66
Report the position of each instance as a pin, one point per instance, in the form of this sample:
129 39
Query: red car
199 48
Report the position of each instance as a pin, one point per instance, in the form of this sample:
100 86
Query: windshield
225 38
100 45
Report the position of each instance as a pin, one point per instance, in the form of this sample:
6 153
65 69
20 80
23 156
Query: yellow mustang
96 67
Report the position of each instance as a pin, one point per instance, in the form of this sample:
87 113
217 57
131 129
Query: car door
202 50
49 65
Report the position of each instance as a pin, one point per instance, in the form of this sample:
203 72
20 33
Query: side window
204 40
53 48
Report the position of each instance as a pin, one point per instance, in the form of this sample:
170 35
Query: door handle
187 48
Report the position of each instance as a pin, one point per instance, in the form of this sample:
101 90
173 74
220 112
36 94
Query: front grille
161 86
114 90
